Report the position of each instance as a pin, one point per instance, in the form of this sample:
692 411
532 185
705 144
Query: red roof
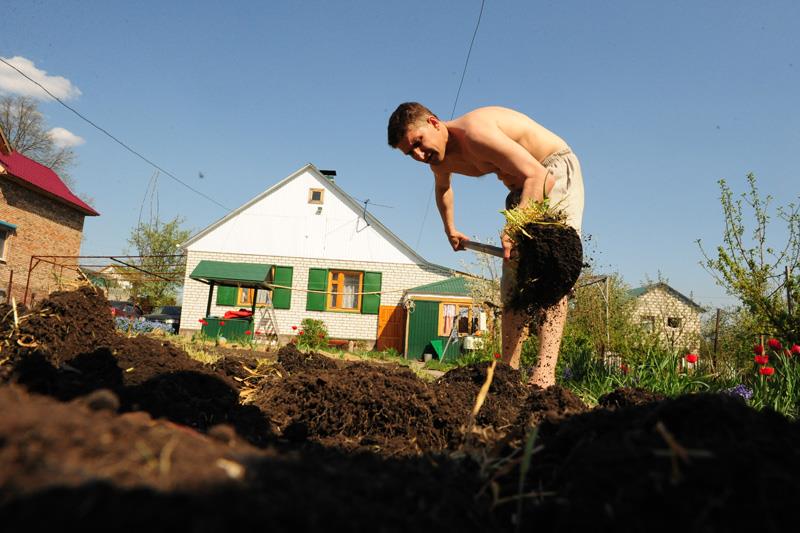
43 179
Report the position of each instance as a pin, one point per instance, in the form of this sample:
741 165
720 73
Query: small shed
438 312
228 278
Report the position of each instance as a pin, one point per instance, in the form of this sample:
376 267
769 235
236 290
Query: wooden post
210 294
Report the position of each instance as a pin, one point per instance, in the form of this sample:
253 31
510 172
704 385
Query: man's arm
444 202
517 167
520 170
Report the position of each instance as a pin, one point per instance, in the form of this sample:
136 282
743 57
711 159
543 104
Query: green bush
313 334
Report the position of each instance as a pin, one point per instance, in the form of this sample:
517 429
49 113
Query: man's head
417 132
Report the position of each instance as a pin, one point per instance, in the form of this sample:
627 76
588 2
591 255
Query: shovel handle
485 248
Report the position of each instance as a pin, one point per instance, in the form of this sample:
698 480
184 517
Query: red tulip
221 322
766 370
300 333
248 332
497 355
796 349
294 328
691 358
775 344
259 332
624 368
758 349
761 359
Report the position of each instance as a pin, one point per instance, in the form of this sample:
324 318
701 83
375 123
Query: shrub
312 335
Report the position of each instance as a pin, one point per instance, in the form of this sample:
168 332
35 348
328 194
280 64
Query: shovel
484 248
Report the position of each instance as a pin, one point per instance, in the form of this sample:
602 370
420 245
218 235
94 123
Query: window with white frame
4 234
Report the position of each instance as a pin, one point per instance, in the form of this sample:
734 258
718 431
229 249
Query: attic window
673 322
315 196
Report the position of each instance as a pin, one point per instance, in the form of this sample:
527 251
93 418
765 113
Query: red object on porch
242 313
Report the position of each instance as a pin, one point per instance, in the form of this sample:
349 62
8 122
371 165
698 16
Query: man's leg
514 329
550 332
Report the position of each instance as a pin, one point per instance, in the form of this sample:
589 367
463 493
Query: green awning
248 275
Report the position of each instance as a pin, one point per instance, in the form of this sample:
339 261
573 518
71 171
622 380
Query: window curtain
349 295
448 315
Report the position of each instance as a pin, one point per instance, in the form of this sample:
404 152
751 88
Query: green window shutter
226 295
282 298
317 281
371 302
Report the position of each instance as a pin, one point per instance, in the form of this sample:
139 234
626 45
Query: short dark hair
404 116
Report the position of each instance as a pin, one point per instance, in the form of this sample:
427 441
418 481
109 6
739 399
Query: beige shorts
566 195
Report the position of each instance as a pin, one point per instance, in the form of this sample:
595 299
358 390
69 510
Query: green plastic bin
233 329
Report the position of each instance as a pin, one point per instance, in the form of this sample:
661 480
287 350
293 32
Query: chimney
330 174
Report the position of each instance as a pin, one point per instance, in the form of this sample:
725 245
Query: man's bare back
471 130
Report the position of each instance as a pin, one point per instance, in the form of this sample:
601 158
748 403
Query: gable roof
455 286
330 184
40 178
640 291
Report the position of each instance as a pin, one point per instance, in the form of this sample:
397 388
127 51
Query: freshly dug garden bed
102 431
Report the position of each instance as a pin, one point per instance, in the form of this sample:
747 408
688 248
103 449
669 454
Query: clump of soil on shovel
550 261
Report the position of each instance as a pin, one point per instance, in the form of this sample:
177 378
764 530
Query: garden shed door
391 327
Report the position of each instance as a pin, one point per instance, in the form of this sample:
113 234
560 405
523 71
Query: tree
157 244
602 311
749 268
26 131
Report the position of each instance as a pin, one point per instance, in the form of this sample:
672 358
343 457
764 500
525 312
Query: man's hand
457 240
508 245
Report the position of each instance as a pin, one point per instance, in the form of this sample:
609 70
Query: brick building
341 265
675 318
39 215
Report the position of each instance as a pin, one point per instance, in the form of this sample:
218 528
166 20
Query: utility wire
131 150
453 112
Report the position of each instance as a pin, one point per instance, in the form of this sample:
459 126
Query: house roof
36 176
639 291
455 286
252 275
346 198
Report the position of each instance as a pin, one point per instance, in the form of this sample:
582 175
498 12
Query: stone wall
44 227
676 322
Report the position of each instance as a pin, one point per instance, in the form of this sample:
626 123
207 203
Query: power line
453 112
469 53
131 150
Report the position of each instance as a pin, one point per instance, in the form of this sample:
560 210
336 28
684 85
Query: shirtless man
530 160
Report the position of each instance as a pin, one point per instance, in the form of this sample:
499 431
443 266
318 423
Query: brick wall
676 322
396 278
44 227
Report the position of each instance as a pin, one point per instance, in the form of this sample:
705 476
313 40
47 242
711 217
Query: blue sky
658 99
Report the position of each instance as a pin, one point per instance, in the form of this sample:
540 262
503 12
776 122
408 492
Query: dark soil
550 262
104 432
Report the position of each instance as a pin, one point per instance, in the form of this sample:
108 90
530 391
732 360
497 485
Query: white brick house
321 240
675 318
